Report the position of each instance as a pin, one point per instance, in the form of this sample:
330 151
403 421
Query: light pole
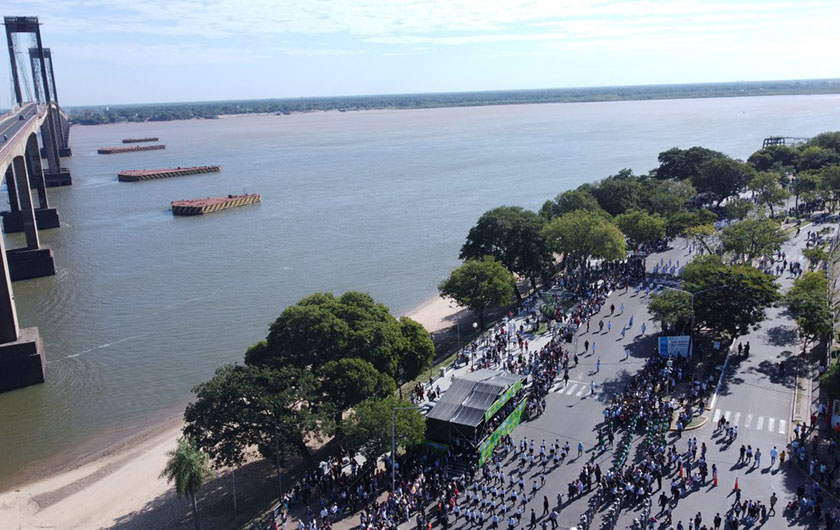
394 447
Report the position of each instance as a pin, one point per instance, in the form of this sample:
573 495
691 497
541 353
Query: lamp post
394 447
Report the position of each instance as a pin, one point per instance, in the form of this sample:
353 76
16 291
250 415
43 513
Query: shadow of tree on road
782 336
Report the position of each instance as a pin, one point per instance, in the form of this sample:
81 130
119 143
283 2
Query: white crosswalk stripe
733 417
581 391
571 389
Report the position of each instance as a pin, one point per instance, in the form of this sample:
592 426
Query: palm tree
188 467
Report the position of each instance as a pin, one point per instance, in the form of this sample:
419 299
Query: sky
143 51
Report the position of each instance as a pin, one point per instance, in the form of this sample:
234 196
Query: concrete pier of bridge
45 216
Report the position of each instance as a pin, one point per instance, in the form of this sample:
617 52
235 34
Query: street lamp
394 448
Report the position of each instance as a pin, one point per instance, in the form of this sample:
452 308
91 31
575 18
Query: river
145 305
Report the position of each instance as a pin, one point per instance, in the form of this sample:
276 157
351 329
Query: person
585 347
717 521
598 365
592 387
644 328
622 309
612 308
580 448
773 500
774 453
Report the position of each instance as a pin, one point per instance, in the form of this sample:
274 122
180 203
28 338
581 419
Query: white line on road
760 423
770 423
736 419
782 427
748 421
571 389
580 392
726 416
717 416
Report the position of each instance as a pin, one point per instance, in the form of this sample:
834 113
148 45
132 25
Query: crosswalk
574 388
751 421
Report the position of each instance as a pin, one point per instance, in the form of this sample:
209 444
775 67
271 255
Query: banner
510 423
504 398
679 346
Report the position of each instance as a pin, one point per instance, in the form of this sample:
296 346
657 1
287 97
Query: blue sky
137 51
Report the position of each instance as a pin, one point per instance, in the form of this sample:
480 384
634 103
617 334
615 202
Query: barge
137 175
133 148
140 140
213 204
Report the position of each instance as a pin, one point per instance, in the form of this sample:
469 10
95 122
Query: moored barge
139 140
213 204
137 175
115 150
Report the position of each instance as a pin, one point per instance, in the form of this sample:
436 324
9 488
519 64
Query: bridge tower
44 90
62 126
45 216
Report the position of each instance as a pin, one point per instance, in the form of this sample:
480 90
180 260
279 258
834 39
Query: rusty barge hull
213 204
116 150
138 175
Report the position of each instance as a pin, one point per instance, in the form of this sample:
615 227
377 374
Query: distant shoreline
142 113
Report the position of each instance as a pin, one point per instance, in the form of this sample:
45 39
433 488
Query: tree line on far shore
330 365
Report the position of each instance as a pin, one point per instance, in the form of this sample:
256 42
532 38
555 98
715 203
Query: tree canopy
569 201
618 193
807 300
752 238
641 227
728 298
722 177
513 236
682 164
479 284
368 429
582 235
768 189
670 308
187 467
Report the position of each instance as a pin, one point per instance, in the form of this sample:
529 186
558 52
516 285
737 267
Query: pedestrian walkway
751 421
574 388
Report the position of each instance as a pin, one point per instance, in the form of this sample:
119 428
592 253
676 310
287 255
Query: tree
678 223
728 298
581 235
738 209
665 197
349 381
805 185
831 183
479 284
368 428
618 193
275 410
702 234
322 328
682 164
826 140
670 307
814 255
774 157
807 300
187 467
513 236
753 238
722 177
569 201
768 189
641 227
814 157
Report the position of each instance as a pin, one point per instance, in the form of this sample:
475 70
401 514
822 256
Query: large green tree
618 193
728 299
368 429
670 307
752 238
189 469
513 236
813 157
807 300
665 197
349 381
479 284
582 235
768 189
774 158
805 186
678 223
722 178
641 227
682 164
322 328
830 184
569 201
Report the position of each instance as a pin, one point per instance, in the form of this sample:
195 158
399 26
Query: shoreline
98 487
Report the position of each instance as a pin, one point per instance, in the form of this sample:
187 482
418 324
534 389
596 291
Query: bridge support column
45 217
21 350
55 174
31 261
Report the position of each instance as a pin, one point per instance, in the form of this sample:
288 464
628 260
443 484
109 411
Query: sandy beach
123 480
